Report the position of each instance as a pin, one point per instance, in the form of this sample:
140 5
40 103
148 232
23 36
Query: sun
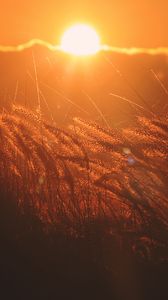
80 40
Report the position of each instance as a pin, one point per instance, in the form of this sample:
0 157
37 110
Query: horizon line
120 50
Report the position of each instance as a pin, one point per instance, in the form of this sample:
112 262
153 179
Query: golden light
80 40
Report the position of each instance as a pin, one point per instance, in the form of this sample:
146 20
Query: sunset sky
122 23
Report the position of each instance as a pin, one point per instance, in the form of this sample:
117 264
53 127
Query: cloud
135 51
106 48
28 45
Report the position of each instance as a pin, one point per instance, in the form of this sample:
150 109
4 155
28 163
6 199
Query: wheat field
86 178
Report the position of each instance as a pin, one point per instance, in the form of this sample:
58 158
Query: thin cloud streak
135 51
105 48
28 45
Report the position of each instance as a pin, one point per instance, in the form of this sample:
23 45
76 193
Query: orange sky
123 23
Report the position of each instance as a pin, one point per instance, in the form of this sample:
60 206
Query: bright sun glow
80 40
